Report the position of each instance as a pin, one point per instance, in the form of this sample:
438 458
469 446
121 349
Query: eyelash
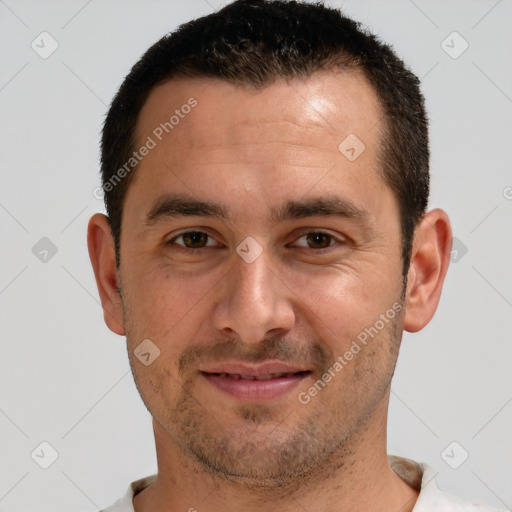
184 248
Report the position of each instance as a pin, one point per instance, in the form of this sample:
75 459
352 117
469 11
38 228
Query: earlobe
429 263
103 259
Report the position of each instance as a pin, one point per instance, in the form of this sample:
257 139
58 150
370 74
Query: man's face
295 296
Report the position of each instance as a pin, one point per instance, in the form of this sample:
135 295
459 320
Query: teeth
269 376
265 377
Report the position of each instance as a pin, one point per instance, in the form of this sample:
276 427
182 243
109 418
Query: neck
357 478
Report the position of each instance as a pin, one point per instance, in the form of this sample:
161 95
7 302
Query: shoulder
421 477
125 503
445 502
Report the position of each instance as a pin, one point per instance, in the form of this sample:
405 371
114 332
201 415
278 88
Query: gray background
65 379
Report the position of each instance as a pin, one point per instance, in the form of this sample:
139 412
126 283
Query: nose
254 301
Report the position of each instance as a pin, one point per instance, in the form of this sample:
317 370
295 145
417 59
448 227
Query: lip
261 382
255 370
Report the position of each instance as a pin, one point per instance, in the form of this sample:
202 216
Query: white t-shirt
418 475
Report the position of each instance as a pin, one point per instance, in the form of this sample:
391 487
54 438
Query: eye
316 240
193 240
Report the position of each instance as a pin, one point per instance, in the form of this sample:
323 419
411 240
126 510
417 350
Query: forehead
319 112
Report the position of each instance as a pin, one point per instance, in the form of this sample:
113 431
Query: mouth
268 376
264 382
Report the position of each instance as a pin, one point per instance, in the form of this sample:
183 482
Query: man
265 171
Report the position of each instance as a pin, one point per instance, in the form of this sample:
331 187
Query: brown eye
193 240
316 240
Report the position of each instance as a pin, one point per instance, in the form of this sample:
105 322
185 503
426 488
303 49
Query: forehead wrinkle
237 135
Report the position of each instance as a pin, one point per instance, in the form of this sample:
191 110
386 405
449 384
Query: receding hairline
354 70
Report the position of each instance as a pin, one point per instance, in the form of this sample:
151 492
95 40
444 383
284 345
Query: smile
269 376
255 384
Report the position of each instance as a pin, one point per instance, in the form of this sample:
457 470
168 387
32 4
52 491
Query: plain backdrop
65 378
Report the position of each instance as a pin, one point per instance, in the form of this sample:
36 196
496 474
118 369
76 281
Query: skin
252 151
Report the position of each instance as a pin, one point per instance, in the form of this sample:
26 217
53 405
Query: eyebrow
178 205
319 206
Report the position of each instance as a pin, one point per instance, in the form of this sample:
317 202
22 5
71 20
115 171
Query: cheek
342 302
170 310
162 299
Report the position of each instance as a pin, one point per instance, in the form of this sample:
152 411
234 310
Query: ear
429 263
103 258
